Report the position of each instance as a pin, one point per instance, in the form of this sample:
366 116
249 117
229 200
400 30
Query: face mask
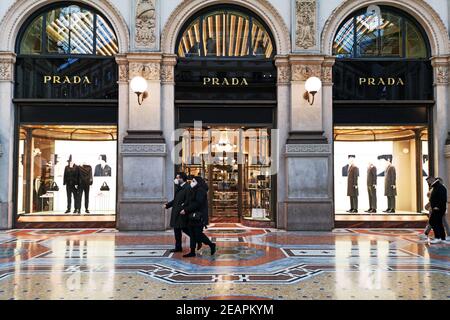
176 181
193 184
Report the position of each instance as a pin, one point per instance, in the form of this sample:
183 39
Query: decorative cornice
262 7
143 149
419 9
7 61
307 149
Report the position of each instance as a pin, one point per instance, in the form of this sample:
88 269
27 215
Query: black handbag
195 217
104 187
53 187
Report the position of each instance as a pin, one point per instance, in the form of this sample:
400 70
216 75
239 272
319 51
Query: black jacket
102 172
85 177
198 202
371 176
438 197
71 176
181 197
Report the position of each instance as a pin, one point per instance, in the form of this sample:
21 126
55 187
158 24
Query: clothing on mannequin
84 184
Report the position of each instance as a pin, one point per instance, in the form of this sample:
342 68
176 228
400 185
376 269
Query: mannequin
390 181
71 180
102 169
352 184
372 187
84 184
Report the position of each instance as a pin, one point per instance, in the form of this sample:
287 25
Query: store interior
374 149
235 162
63 167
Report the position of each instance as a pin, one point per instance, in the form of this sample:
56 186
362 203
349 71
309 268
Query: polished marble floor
250 263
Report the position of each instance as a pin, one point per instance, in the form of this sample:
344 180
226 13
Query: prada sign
389 81
66 80
207 81
382 80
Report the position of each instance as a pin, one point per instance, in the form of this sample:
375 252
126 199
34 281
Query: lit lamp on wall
139 86
312 86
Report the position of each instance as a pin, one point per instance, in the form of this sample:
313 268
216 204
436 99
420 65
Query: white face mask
176 181
193 184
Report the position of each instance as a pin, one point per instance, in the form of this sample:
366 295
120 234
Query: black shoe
387 211
392 211
368 211
68 211
213 249
176 250
355 211
87 211
373 211
199 245
189 255
349 211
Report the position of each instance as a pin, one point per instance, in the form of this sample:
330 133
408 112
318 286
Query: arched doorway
383 114
65 100
225 108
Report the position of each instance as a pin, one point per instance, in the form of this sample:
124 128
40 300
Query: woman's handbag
104 187
195 217
54 187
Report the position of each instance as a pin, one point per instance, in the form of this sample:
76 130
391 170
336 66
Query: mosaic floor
250 263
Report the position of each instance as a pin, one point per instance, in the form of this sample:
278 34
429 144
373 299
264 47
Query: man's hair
183 176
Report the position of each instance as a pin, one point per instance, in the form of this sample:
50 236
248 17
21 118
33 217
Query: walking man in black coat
179 221
438 205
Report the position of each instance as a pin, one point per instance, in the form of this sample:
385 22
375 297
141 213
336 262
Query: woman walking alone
197 212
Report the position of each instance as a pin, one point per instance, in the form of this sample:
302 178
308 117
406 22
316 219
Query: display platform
400 220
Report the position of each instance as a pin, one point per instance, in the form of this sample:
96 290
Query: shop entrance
236 165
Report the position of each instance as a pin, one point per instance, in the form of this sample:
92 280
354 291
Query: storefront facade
225 83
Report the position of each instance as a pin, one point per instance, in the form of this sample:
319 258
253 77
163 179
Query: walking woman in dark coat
196 211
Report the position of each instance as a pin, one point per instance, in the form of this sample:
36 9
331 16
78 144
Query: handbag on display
104 187
54 187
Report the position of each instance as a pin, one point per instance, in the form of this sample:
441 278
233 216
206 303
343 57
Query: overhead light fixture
312 86
139 86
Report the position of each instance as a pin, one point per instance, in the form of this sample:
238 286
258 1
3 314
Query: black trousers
71 190
197 236
391 202
178 232
354 202
372 197
437 225
83 189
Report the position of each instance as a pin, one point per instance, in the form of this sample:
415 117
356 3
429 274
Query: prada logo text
67 79
381 81
207 81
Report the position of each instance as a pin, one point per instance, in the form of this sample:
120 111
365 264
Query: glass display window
67 170
380 170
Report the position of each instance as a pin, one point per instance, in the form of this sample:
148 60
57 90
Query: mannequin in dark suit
102 169
84 185
352 184
71 180
372 187
390 182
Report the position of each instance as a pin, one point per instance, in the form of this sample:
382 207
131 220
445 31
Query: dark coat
352 181
181 197
371 176
198 202
102 172
71 176
390 178
438 197
85 175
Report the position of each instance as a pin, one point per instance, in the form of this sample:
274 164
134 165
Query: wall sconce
139 86
312 86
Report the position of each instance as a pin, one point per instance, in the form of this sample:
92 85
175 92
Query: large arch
260 7
424 14
21 10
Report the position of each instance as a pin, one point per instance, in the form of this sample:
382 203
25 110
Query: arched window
68 29
388 33
225 32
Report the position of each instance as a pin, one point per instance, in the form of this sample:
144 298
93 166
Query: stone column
168 119
143 152
441 121
7 60
308 153
283 128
